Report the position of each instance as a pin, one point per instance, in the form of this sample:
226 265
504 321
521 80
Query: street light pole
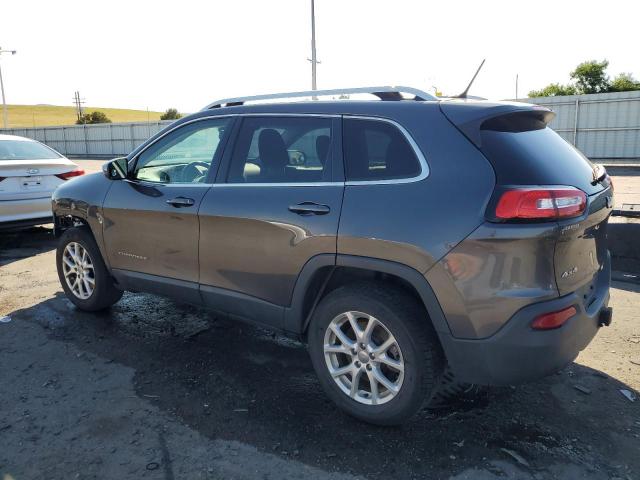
314 86
5 121
314 60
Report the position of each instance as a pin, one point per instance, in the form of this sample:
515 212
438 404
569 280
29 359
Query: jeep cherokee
407 240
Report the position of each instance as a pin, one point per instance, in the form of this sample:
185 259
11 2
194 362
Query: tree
624 83
93 117
171 114
554 90
591 77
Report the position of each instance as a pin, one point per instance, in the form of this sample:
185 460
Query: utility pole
516 86
314 61
5 120
78 103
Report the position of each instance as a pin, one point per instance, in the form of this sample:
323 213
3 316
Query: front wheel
375 352
82 272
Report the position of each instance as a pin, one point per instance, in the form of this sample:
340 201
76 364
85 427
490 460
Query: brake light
541 203
73 173
552 320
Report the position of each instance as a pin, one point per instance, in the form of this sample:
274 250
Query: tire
450 391
104 293
416 347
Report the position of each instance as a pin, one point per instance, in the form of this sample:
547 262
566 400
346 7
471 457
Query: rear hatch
528 155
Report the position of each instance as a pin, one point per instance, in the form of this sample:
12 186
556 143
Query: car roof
321 107
15 137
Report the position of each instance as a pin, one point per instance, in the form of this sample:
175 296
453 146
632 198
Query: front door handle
309 208
179 202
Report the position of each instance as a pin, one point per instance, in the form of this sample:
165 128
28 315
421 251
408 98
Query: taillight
2 178
541 203
552 320
71 174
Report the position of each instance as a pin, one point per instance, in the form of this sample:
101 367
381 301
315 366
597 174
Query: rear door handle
179 202
309 208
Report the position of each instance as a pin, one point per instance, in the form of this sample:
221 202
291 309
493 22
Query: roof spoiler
472 118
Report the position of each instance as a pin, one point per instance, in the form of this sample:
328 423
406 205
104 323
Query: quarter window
184 155
377 150
282 150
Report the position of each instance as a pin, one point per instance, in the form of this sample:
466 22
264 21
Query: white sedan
29 173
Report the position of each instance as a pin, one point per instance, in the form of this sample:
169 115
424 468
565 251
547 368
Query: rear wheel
375 352
82 272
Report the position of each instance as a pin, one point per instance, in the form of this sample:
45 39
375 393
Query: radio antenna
466 90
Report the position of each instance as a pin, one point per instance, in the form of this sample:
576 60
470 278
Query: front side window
184 155
282 150
377 150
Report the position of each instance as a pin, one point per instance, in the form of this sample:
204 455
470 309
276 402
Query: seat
323 142
399 159
273 155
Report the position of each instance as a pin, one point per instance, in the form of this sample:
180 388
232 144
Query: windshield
25 150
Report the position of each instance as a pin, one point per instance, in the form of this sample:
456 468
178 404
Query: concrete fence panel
603 126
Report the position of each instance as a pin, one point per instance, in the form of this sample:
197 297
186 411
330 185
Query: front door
274 207
151 219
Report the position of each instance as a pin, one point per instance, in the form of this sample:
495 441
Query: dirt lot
155 389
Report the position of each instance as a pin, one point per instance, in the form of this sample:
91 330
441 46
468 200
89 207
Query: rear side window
282 150
377 150
535 156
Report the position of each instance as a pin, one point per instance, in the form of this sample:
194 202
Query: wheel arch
324 273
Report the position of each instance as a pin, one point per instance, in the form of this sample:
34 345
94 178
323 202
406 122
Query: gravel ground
156 389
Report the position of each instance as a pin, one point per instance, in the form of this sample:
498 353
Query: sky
158 54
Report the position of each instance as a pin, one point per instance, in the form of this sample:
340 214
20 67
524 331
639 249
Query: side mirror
116 169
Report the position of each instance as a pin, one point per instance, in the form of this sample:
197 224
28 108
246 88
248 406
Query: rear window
536 157
377 150
24 150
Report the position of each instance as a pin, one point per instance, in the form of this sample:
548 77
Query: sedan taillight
73 173
541 203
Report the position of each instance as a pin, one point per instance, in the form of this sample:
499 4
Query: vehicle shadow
237 382
18 244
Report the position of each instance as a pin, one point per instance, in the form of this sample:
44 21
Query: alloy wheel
363 358
78 270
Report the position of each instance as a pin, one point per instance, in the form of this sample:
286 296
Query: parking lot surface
156 389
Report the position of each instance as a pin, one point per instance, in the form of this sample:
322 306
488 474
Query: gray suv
413 243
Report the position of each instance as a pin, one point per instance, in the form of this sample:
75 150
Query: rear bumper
517 353
25 212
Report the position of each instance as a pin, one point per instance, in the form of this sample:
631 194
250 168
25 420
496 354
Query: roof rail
383 93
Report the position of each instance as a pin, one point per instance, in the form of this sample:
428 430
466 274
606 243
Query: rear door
275 206
151 228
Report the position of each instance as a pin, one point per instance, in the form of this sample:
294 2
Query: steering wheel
194 172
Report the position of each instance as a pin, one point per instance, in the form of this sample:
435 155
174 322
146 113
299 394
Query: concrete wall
100 140
602 126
